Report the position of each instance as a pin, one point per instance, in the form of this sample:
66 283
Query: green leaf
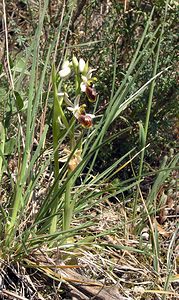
10 146
19 66
19 101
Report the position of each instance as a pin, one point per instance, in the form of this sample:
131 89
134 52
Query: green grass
48 206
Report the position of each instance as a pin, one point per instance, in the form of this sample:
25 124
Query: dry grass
116 262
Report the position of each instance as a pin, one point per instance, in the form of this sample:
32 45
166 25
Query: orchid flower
66 70
86 79
86 87
86 120
76 108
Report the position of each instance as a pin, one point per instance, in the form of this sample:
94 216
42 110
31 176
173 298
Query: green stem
58 113
68 207
2 144
55 129
68 203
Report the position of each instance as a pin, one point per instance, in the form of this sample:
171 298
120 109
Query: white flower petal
83 87
81 65
65 72
75 110
65 97
65 64
61 94
84 78
89 74
91 116
68 101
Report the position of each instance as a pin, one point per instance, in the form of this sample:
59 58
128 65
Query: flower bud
81 65
75 62
85 71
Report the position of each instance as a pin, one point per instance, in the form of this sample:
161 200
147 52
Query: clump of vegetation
88 171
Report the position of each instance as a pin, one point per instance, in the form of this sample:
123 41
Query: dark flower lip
85 121
91 93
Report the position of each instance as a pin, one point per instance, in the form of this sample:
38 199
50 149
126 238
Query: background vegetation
119 204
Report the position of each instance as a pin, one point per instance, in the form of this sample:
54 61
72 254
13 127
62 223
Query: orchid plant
70 113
